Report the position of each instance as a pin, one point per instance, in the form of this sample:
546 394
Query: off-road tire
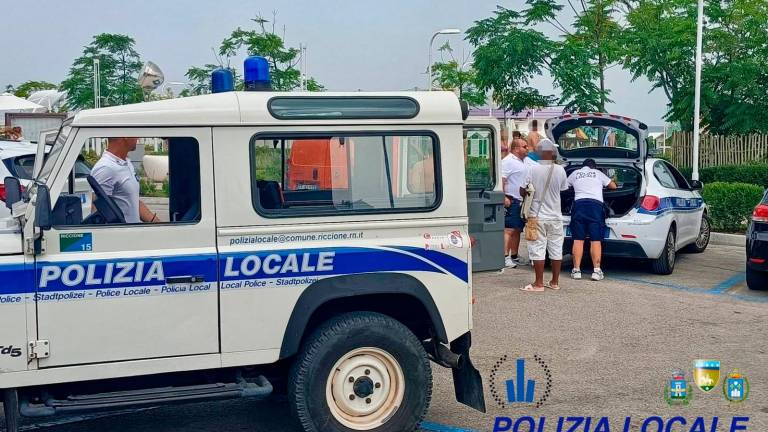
665 264
332 341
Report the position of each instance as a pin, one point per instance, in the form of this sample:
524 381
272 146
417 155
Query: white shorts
550 240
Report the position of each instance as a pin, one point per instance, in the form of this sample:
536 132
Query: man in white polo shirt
514 171
114 172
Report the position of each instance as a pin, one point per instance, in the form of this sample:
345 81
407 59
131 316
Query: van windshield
53 155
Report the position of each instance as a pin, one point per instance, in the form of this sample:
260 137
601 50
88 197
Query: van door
485 197
113 290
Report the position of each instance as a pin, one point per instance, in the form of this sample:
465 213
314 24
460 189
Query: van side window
479 154
158 182
339 173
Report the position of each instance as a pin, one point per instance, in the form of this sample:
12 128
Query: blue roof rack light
257 74
222 80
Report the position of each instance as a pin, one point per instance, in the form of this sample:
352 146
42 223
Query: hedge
756 174
731 204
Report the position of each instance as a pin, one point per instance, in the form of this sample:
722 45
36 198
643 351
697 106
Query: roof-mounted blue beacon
257 74
222 80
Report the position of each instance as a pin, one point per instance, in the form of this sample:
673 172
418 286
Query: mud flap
467 381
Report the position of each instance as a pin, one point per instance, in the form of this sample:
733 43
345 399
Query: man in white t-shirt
548 180
514 171
114 173
588 215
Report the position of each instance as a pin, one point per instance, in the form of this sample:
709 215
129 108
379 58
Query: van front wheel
361 371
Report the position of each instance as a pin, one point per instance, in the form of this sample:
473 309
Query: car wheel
361 371
702 241
757 280
665 264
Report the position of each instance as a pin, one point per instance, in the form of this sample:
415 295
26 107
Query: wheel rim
703 240
671 250
364 388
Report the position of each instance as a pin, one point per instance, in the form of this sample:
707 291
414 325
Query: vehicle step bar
258 388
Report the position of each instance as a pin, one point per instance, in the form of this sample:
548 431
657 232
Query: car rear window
21 166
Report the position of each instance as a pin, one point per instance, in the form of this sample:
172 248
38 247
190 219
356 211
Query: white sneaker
598 275
509 262
576 273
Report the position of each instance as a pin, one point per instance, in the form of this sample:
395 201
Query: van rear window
342 173
338 108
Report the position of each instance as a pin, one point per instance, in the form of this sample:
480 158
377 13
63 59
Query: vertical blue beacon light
222 80
257 74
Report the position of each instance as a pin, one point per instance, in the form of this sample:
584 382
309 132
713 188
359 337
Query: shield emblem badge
706 374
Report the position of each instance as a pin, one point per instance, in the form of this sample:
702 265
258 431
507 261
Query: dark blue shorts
588 220
512 219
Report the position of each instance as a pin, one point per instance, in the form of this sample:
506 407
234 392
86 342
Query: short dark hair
590 163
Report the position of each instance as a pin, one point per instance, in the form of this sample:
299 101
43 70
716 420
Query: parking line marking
437 427
729 283
744 297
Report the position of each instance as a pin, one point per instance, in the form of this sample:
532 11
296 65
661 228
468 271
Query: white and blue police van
314 244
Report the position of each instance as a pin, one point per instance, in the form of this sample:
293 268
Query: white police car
655 212
340 294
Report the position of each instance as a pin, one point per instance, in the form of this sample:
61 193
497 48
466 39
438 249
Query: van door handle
170 280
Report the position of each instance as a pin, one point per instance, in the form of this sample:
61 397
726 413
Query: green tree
119 64
660 42
511 49
448 74
261 41
26 88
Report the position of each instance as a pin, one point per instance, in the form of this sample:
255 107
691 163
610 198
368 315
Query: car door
485 198
689 206
115 292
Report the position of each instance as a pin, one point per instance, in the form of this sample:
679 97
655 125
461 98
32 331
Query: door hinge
35 247
39 349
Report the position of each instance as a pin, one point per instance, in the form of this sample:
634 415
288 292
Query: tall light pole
96 84
449 31
697 96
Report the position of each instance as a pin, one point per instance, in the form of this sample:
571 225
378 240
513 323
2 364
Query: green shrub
731 204
756 174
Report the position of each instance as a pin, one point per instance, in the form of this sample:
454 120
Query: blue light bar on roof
257 74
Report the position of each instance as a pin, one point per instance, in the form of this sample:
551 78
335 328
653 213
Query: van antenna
218 58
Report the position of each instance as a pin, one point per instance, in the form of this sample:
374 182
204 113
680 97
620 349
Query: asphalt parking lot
610 347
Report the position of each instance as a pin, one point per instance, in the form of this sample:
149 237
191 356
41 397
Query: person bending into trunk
588 215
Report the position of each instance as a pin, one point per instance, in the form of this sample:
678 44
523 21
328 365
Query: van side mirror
43 213
12 187
696 185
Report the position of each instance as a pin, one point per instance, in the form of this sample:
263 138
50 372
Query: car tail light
650 202
2 193
761 213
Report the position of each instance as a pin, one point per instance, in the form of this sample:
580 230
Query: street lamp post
431 41
697 96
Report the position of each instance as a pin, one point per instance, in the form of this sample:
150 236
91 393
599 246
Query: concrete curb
722 239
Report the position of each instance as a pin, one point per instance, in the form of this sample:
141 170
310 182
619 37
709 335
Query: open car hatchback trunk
618 202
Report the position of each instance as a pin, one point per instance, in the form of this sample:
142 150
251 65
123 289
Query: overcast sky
362 44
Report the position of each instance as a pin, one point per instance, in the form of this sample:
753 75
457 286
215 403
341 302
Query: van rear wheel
361 371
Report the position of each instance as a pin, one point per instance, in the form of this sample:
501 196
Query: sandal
531 288
551 286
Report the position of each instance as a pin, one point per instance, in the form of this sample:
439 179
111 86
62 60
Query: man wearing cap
114 173
588 215
548 180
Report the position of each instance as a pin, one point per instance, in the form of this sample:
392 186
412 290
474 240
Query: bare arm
147 215
612 185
